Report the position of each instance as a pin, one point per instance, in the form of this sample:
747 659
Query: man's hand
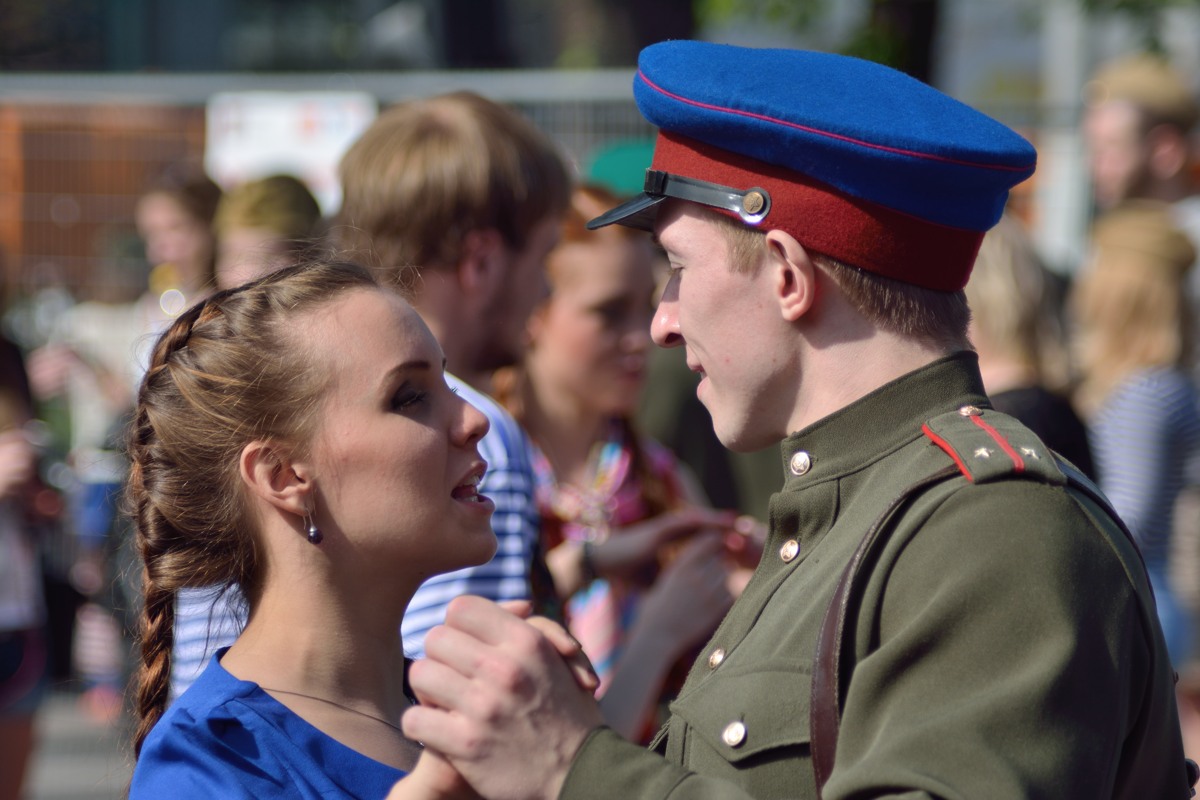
499 702
567 645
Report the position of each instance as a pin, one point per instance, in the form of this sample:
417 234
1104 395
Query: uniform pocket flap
741 715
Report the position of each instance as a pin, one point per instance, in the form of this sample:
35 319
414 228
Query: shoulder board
988 445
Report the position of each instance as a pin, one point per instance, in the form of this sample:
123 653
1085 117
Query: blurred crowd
618 513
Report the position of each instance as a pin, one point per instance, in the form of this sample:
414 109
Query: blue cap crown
865 129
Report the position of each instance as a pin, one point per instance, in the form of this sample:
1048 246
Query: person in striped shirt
1131 321
459 200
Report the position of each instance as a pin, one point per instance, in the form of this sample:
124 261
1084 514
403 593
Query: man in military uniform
944 609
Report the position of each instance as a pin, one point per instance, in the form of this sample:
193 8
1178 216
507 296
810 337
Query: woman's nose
473 424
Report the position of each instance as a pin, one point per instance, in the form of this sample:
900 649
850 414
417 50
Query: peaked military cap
854 159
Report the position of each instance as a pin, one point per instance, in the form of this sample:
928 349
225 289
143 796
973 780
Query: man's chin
731 438
741 439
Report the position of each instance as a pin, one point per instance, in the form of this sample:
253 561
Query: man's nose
664 328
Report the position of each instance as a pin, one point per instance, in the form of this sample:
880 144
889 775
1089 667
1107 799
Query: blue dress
228 738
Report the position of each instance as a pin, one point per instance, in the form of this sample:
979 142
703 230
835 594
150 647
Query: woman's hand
690 597
744 543
630 549
683 608
432 779
635 546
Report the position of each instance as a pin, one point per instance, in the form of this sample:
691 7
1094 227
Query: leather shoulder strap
984 445
826 703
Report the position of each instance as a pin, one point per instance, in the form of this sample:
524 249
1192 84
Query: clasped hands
506 702
507 699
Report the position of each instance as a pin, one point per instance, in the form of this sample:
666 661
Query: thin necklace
339 705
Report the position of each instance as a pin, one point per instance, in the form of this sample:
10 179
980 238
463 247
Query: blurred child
263 225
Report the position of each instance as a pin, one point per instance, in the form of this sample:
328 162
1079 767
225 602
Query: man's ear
480 268
793 274
272 474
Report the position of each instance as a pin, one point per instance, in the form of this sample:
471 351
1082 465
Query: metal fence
77 150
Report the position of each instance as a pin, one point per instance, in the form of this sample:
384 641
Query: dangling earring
310 527
314 533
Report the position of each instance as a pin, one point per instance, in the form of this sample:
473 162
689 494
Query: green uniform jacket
1005 644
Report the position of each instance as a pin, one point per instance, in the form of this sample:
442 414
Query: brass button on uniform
716 657
800 463
970 411
734 734
789 550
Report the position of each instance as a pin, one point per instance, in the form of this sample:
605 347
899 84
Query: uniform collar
884 420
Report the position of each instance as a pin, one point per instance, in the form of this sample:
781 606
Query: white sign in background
251 135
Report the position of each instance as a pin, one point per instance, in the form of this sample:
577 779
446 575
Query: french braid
227 372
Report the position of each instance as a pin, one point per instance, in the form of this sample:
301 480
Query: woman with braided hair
295 437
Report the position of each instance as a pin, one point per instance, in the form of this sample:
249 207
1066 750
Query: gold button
753 202
801 463
970 411
789 550
734 734
715 659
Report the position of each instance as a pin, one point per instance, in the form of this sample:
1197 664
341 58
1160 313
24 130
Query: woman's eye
407 398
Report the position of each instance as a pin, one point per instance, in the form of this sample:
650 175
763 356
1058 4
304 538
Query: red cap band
823 219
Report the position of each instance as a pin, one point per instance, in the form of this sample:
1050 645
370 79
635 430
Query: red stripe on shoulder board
942 443
1018 462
